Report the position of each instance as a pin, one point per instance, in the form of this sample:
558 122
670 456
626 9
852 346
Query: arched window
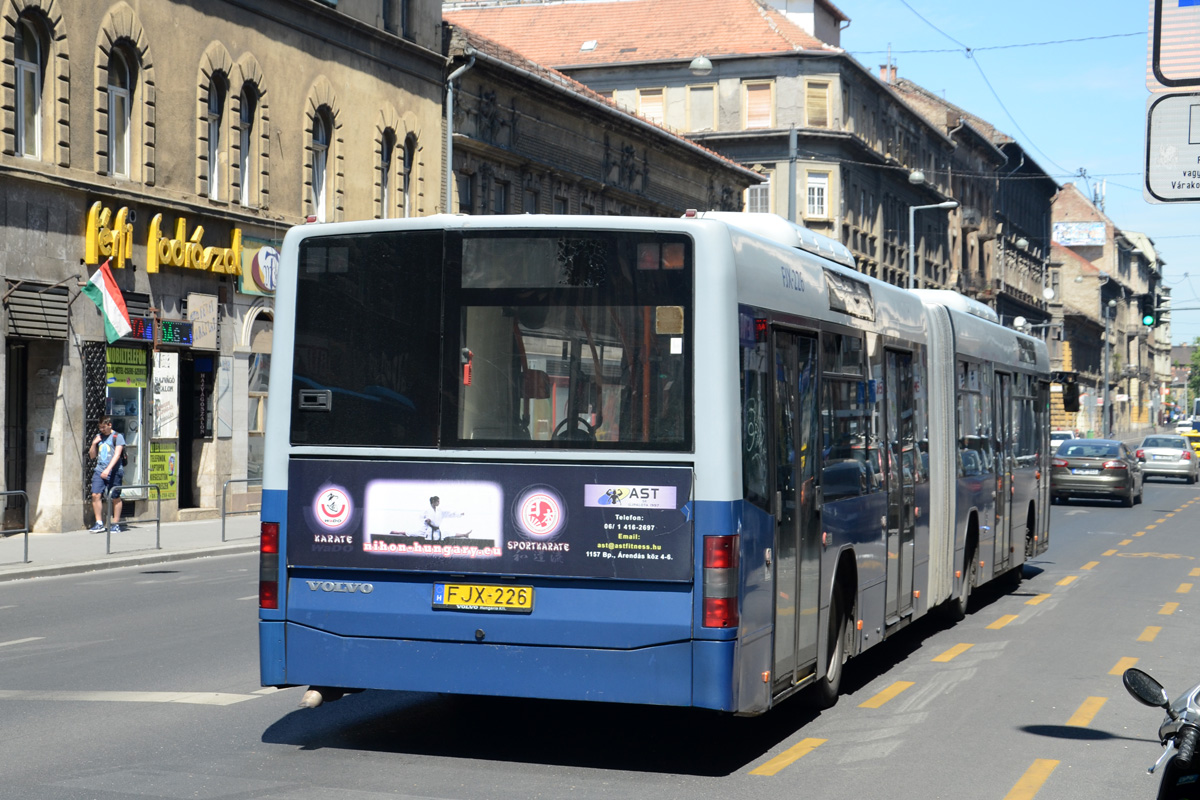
249 106
27 46
387 155
322 130
120 91
216 122
410 155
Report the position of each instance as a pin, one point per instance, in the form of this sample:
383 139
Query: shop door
797 532
902 466
187 413
1004 471
16 392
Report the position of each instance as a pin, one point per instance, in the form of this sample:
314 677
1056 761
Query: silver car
1169 456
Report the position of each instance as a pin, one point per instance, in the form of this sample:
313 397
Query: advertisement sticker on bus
630 523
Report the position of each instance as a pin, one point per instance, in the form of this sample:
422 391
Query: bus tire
828 686
958 606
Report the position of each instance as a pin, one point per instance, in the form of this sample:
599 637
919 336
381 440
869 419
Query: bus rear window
368 338
578 340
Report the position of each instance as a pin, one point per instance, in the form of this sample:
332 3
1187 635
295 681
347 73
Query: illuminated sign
102 240
170 331
188 252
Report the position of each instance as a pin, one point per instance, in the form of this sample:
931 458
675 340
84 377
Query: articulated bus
692 462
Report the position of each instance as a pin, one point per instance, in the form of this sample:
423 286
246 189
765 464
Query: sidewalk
81 551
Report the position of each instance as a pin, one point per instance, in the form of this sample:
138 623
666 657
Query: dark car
1095 468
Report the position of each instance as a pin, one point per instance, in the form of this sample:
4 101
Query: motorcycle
1178 733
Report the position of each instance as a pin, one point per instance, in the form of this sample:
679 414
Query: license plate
1085 472
1166 458
478 597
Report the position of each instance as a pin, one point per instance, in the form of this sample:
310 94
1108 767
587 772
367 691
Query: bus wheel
958 606
825 691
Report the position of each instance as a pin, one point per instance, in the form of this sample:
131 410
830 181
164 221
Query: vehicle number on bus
478 597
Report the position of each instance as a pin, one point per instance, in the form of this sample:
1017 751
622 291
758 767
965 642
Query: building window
27 47
387 152
249 106
758 198
321 133
532 201
216 121
560 205
759 104
816 104
120 91
410 156
500 198
650 104
465 194
818 194
702 108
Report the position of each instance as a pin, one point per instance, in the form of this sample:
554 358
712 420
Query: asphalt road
143 682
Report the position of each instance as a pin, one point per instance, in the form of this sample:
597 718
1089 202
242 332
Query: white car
1183 426
1058 437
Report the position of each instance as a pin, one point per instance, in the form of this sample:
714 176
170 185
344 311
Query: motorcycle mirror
1145 689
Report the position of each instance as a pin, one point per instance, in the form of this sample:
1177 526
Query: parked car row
1106 468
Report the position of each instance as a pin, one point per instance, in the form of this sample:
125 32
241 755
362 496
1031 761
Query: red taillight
1187 455
1058 462
268 565
1140 454
1115 465
720 582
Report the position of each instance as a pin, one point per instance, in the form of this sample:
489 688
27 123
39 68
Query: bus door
1003 404
797 531
903 462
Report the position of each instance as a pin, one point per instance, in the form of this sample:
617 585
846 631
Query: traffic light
1147 303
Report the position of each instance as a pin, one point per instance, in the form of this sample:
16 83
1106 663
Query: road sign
1172 148
1174 45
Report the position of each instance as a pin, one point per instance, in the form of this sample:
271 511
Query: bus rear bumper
689 673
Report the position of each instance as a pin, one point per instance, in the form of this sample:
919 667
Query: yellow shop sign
189 253
102 240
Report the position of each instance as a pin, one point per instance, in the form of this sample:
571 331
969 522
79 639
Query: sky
1073 106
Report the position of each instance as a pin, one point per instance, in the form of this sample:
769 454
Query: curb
116 561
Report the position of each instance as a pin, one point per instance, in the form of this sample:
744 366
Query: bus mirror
537 385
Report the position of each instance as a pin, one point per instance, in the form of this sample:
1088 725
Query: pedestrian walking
108 448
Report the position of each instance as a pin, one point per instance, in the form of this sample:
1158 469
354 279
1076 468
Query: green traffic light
1148 320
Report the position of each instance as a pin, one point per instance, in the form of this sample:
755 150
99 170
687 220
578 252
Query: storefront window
256 408
126 376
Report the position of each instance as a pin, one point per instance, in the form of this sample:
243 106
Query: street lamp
1107 420
700 66
912 213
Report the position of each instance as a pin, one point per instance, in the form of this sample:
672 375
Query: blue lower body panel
658 675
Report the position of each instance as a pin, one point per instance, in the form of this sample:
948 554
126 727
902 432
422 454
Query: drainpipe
470 53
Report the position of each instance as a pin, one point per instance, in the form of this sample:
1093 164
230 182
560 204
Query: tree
1193 381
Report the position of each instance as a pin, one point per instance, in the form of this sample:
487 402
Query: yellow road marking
793 753
1084 715
1184 588
1195 573
1090 564
957 650
1141 533
1124 542
1032 780
1000 623
1108 552
1067 581
1152 527
1149 634
1033 601
887 694
1171 514
1158 522
1168 609
1122 665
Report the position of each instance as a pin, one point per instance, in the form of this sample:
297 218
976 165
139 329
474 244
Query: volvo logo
340 586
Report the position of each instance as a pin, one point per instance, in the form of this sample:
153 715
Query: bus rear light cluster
720 582
268 565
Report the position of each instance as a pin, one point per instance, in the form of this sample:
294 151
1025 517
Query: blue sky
1077 105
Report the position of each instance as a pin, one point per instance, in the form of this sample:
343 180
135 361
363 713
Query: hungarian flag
102 290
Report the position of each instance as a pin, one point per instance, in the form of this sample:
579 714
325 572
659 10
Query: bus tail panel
659 675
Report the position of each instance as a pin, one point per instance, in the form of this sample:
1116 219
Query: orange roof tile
623 31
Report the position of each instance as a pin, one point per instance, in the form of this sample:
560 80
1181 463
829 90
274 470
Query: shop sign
190 252
101 239
202 313
260 268
166 396
164 466
125 366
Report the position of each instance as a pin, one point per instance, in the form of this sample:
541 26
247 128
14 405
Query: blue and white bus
634 460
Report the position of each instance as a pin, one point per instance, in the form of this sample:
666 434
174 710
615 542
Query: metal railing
108 514
225 493
25 528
